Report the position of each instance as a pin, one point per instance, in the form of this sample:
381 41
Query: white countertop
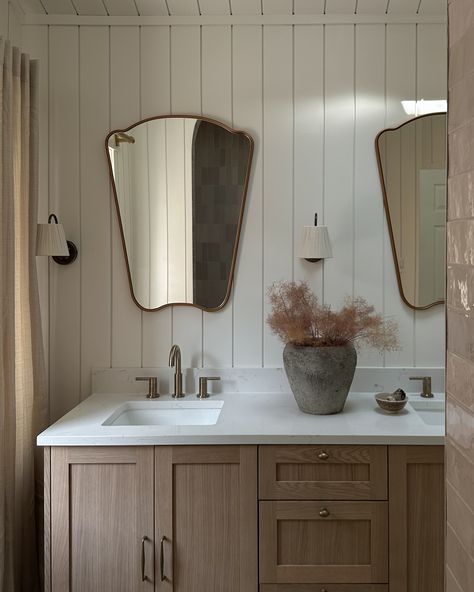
246 418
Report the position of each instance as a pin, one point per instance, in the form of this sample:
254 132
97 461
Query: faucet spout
175 360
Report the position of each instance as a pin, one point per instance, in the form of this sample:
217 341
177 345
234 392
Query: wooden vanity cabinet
101 507
206 508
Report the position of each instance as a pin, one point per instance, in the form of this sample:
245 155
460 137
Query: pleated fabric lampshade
314 243
51 239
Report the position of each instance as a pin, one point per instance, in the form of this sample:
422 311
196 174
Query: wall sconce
51 241
314 244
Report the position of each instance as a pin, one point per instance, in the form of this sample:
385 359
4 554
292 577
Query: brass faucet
175 360
426 394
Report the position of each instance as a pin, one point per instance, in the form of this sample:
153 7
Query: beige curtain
22 378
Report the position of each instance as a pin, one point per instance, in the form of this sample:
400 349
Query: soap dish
392 402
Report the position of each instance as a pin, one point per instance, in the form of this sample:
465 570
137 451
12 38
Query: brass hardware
324 512
324 590
203 394
144 578
162 558
175 360
152 386
323 455
122 137
426 394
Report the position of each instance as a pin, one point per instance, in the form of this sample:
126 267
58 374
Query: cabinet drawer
323 588
306 542
323 472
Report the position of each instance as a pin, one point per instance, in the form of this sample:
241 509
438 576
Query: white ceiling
230 7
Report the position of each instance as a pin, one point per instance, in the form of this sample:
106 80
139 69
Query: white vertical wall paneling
214 7
309 6
155 100
217 102
247 291
14 25
433 7
400 85
186 98
431 84
403 6
95 203
278 170
36 44
368 212
277 6
124 110
64 174
372 6
308 143
4 18
339 161
30 6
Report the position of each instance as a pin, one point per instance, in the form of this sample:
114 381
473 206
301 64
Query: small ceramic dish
391 402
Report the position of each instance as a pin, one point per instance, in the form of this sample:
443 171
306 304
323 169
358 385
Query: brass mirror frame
387 209
230 282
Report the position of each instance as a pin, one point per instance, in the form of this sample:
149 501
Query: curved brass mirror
180 185
412 165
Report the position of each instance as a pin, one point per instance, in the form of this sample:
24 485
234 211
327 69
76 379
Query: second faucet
175 360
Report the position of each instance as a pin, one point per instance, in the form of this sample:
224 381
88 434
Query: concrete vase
320 377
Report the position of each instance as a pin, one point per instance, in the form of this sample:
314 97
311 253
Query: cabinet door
101 508
206 518
324 588
416 518
323 542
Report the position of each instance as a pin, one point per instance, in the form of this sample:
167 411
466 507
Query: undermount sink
431 412
165 413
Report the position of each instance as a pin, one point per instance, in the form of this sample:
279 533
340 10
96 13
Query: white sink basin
165 413
431 412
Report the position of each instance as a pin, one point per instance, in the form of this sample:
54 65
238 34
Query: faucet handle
427 394
203 394
152 386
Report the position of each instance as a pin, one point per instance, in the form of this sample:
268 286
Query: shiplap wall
10 22
314 98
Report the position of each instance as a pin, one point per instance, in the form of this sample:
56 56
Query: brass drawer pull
144 539
324 590
323 455
324 512
162 559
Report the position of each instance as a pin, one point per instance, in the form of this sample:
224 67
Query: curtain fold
22 375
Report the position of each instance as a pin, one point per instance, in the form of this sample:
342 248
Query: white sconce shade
315 243
51 240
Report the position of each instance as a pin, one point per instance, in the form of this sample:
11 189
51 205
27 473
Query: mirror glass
412 164
180 185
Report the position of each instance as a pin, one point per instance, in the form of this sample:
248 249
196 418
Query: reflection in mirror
412 164
180 185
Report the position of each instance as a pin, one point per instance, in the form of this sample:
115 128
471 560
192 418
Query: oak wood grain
325 587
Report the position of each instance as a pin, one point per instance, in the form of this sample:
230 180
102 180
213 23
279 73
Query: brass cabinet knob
323 455
324 590
324 512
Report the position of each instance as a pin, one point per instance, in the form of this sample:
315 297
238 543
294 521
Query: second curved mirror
412 163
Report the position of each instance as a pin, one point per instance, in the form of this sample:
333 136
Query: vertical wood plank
14 25
248 115
95 204
124 110
339 161
400 85
368 212
65 287
155 100
277 170
309 144
217 102
35 42
186 99
431 84
4 19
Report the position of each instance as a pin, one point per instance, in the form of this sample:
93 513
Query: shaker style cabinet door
416 518
206 518
303 542
102 519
